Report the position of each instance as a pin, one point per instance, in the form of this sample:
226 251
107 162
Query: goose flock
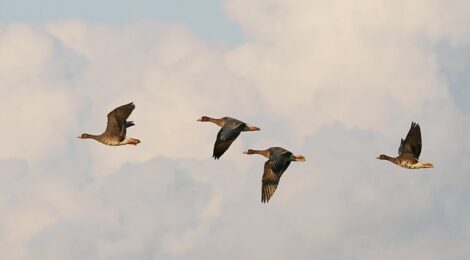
279 158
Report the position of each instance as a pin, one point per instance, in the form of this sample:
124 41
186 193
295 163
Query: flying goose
409 151
115 133
278 161
231 129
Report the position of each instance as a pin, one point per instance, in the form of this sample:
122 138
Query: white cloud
38 107
333 57
337 82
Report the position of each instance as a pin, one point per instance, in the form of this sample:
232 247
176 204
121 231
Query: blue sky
338 82
206 17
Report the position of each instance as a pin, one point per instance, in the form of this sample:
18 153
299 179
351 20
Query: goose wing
117 123
279 158
273 170
225 137
412 143
269 182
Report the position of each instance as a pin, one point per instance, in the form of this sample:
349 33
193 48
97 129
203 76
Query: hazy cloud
337 82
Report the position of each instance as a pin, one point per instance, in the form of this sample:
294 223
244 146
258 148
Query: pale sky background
337 82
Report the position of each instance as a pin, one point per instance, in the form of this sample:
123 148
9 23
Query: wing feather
412 143
225 137
269 182
117 123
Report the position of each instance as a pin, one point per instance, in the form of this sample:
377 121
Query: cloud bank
339 83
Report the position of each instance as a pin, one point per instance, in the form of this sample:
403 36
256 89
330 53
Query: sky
205 18
339 83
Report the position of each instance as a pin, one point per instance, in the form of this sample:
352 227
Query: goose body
116 129
278 161
229 131
409 151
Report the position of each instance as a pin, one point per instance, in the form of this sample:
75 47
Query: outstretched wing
279 161
227 134
117 123
273 170
412 143
270 181
400 149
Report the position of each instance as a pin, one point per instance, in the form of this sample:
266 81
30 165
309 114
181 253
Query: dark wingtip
264 200
130 123
217 154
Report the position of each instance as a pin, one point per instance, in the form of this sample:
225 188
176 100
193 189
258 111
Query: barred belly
410 165
112 141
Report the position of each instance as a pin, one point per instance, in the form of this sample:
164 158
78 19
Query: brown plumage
409 151
230 130
116 129
278 161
